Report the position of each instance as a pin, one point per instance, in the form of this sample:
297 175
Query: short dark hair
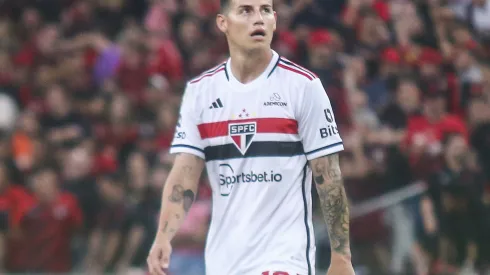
224 4
44 168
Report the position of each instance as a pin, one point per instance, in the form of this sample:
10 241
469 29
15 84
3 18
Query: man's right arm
179 193
181 186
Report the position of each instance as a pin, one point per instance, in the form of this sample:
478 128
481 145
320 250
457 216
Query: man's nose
258 18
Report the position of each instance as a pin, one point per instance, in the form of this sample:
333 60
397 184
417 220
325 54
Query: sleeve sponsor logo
180 135
328 115
330 130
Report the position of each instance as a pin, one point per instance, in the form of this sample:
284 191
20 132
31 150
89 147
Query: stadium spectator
106 239
94 88
144 222
14 202
47 226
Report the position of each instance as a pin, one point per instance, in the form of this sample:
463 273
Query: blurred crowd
89 92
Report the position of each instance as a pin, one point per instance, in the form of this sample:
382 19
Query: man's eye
268 10
246 10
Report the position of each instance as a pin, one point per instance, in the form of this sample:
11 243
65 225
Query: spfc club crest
242 134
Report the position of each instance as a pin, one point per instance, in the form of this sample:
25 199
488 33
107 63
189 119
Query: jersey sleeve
187 138
316 123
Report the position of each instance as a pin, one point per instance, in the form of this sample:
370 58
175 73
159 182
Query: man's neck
247 66
48 199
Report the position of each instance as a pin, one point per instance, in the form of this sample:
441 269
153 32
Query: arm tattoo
319 173
333 201
188 199
179 195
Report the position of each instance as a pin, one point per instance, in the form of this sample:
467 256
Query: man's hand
340 267
177 198
159 257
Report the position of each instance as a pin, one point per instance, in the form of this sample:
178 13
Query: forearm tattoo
177 194
180 194
166 228
333 201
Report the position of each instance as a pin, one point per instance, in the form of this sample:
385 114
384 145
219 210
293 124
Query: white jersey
256 139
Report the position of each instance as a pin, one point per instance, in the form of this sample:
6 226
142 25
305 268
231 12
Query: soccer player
264 127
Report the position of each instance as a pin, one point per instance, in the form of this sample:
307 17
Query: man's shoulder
204 77
291 70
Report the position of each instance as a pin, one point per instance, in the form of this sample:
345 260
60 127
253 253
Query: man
256 120
14 202
54 215
111 224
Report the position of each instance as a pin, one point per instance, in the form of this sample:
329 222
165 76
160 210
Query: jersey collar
256 82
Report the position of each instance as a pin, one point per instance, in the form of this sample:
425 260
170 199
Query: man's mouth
258 33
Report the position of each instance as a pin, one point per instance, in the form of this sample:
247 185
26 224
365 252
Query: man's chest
242 120
223 105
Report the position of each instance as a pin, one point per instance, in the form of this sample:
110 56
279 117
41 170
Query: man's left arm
322 143
334 204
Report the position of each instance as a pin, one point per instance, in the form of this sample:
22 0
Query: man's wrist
341 257
164 236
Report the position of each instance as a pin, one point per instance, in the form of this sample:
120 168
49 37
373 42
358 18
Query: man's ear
221 23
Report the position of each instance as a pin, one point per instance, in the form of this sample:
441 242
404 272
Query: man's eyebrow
244 6
250 6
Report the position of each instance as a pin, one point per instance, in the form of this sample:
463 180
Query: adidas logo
217 104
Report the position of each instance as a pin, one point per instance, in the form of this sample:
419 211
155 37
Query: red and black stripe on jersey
257 148
295 68
214 71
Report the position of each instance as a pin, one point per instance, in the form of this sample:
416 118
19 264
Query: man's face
45 185
47 39
56 100
110 190
408 96
463 61
248 24
189 31
456 148
435 107
429 70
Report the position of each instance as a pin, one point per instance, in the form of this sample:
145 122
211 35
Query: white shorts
276 270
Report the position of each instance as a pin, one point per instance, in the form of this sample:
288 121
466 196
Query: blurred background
89 92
